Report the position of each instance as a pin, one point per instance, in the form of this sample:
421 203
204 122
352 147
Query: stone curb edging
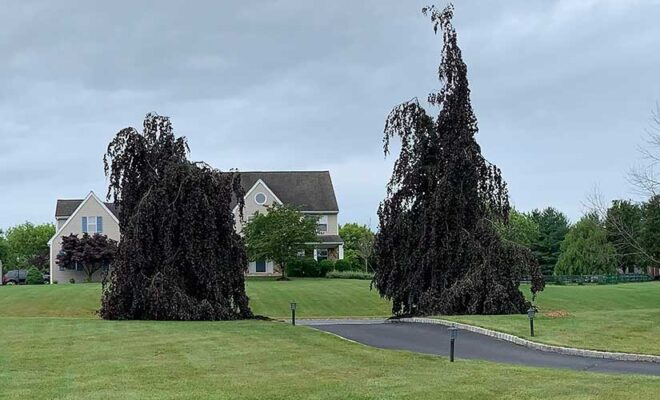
535 345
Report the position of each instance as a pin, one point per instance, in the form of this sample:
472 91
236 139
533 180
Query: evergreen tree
179 256
651 231
585 250
553 226
437 249
623 223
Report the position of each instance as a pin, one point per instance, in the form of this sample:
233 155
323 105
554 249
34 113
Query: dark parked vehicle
19 277
15 277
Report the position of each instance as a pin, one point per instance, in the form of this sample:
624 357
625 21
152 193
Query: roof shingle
306 190
65 208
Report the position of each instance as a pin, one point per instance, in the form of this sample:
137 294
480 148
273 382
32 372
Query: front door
260 266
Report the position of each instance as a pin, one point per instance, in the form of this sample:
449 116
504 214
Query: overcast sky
563 90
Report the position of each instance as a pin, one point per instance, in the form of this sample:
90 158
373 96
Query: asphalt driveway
434 339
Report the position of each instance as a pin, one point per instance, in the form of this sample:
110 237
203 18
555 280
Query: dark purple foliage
92 253
437 249
179 256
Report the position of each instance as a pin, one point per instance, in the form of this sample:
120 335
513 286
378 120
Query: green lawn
52 346
624 317
316 298
62 358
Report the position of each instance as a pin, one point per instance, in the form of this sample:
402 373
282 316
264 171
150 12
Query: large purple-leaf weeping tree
437 250
179 257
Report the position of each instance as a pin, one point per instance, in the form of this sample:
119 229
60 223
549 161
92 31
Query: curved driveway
434 339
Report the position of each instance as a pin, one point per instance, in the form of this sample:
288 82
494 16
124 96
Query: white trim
320 212
77 210
247 194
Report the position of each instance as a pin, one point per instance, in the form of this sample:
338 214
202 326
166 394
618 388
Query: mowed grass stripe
93 359
624 318
316 298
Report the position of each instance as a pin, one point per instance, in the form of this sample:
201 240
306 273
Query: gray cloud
563 90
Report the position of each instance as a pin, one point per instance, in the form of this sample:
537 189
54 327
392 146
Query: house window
260 266
321 254
92 225
322 225
260 198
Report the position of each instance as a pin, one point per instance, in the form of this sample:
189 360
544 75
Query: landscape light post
530 315
453 332
293 313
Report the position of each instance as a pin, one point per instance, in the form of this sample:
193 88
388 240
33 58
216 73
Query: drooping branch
437 249
179 256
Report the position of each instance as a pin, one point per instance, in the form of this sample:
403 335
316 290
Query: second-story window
92 225
322 225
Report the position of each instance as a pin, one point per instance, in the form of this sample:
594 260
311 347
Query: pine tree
438 250
553 227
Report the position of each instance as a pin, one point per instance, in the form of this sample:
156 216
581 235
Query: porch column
341 251
316 255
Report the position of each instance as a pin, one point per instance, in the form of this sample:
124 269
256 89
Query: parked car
15 277
19 277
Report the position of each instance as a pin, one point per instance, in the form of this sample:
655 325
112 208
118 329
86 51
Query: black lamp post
293 313
453 333
530 314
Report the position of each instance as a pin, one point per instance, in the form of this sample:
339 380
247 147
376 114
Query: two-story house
88 215
310 191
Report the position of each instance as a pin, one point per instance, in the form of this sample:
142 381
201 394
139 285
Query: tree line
622 238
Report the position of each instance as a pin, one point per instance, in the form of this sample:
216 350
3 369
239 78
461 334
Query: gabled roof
65 208
306 190
68 203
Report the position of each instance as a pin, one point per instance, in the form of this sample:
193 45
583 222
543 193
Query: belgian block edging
535 345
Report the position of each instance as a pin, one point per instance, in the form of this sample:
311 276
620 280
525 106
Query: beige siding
90 208
251 205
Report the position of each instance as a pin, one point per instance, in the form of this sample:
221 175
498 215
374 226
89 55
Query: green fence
598 279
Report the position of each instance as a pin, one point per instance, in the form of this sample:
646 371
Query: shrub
326 266
349 275
310 268
54 282
34 277
294 268
72 280
343 265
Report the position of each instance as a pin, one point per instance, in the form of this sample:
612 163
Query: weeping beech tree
438 250
179 257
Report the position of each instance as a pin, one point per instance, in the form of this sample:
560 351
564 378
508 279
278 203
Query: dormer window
260 198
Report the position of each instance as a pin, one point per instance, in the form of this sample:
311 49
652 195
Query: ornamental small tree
179 256
91 252
359 240
279 235
437 249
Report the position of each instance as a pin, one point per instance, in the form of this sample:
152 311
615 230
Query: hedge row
310 268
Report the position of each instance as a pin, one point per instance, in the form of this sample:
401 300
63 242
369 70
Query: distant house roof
65 208
307 190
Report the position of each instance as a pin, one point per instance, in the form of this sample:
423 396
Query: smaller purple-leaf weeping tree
92 253
179 256
437 250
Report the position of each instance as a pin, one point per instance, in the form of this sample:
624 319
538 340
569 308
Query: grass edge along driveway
63 358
